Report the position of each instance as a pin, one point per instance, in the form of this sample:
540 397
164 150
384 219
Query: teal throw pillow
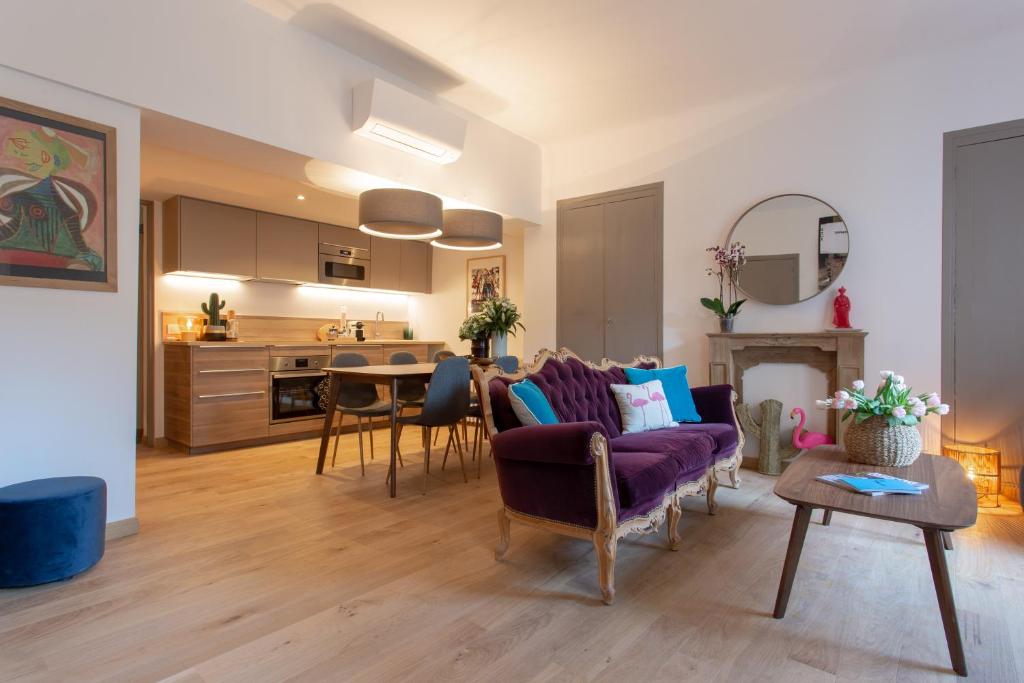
530 404
677 390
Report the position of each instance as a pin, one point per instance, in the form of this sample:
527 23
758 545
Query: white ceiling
549 69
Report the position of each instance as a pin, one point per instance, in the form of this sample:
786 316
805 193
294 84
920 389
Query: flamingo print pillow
643 406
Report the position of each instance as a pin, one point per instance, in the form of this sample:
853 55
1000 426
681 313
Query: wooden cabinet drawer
224 417
214 360
418 350
373 353
214 381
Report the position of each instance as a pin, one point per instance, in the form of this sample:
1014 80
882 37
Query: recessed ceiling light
301 197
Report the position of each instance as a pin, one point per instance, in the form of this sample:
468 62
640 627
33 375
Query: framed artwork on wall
58 203
485 279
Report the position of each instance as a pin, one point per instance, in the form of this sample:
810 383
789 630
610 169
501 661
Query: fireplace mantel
837 353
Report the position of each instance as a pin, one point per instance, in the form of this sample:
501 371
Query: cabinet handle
211 372
232 394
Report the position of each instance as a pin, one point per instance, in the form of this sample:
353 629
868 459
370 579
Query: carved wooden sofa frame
609 530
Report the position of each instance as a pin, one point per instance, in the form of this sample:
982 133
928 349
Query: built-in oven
341 265
293 387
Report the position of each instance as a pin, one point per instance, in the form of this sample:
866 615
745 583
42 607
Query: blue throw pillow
677 390
530 404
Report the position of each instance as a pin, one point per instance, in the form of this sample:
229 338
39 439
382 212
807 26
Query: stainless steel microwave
341 265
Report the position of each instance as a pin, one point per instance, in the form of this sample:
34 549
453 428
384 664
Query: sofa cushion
644 477
689 447
579 393
725 435
643 407
677 389
530 404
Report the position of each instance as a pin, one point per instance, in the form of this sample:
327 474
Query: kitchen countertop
256 343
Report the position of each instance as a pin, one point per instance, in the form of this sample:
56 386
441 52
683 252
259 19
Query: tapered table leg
394 436
944 593
801 519
947 540
334 388
826 517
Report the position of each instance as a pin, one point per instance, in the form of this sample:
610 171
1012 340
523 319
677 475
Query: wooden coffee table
950 503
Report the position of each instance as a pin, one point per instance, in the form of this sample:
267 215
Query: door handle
609 322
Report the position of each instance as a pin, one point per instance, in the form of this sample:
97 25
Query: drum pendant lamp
400 214
470 230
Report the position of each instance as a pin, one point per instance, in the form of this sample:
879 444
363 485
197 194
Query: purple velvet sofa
583 477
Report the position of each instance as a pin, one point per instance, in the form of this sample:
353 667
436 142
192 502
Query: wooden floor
250 568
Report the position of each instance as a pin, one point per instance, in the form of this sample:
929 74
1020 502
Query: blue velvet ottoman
51 529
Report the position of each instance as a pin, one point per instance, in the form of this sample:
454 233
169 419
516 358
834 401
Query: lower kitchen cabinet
215 396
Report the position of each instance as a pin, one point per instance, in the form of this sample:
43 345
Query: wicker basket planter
874 442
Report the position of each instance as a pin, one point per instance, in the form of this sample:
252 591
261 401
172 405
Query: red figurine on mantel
841 319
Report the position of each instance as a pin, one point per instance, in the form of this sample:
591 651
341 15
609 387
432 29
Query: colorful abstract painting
57 177
485 280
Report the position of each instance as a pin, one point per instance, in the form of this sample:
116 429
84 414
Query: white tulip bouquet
893 400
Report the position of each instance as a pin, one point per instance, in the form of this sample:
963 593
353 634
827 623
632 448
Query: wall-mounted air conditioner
386 113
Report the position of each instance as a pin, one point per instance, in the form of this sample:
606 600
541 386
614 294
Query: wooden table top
385 372
950 502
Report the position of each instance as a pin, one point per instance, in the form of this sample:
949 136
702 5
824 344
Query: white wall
68 401
439 314
233 67
869 143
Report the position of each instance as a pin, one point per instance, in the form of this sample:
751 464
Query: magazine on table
874 484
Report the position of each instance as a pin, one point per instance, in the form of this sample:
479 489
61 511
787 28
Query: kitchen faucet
377 320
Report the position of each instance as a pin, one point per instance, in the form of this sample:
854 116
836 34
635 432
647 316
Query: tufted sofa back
577 392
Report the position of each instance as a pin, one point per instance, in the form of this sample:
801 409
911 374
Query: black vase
480 347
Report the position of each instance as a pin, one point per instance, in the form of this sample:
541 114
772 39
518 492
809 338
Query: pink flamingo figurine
638 403
803 439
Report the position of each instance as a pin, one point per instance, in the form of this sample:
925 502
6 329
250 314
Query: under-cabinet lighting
214 276
313 288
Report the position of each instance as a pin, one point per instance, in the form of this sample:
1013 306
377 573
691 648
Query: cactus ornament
214 309
771 453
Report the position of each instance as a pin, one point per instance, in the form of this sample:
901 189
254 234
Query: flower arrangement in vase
884 430
474 328
502 318
728 263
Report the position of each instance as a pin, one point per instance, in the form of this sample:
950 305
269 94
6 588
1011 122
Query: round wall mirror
796 247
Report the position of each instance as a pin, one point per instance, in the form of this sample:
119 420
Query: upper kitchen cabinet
385 263
415 270
207 237
343 237
286 248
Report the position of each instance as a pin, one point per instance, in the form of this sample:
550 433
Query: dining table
386 375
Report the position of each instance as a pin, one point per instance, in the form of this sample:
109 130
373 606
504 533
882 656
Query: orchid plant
893 400
728 263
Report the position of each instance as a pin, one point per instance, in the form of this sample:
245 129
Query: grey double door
983 282
609 293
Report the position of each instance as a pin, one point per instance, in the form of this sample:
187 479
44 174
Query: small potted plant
474 328
884 430
728 261
502 319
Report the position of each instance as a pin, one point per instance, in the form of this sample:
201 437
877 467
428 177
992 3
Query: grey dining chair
445 405
507 364
359 399
443 354
410 391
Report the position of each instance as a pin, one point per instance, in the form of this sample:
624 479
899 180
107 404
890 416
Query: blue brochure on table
874 483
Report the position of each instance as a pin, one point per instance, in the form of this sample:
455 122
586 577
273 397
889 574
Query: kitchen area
259 278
